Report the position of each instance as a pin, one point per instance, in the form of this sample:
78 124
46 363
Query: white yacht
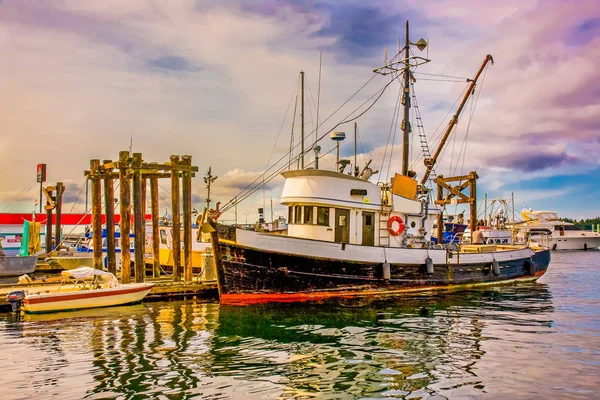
560 235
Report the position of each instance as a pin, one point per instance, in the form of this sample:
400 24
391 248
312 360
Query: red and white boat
80 288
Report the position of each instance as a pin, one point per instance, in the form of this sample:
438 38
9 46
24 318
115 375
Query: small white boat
80 288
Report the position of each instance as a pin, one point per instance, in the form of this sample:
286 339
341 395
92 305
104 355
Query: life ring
396 232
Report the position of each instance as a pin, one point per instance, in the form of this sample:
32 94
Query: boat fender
529 267
16 300
585 247
496 267
429 265
386 271
396 232
554 246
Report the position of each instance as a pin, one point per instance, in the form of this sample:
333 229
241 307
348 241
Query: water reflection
388 347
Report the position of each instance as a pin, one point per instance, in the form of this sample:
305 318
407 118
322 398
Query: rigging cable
77 199
17 197
254 186
392 125
249 186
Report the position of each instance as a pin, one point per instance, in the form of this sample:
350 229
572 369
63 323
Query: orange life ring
396 232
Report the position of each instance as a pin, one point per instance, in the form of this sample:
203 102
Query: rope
443 76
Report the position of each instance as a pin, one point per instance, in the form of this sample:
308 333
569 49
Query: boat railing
87 283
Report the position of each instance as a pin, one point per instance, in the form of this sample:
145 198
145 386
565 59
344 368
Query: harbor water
535 340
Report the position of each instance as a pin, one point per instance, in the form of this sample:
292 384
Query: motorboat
23 262
545 226
79 288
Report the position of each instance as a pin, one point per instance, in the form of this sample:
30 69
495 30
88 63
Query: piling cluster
133 175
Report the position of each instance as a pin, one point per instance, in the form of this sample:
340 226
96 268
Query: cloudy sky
219 80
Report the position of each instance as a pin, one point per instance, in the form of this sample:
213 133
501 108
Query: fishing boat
348 236
545 226
80 288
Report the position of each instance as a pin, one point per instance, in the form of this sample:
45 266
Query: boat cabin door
368 231
342 226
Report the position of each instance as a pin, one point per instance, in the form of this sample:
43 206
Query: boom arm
430 162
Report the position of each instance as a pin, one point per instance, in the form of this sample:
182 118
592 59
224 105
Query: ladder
422 137
384 216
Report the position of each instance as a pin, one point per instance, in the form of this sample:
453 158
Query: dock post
109 209
176 230
440 217
217 260
473 201
60 188
187 217
48 227
155 229
138 218
96 213
125 211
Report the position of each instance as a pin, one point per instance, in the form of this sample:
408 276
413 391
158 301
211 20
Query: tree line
585 224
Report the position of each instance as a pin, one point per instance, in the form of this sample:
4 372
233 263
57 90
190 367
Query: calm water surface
528 341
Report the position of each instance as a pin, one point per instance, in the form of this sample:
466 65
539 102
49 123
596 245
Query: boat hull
251 274
575 243
71 261
82 299
16 265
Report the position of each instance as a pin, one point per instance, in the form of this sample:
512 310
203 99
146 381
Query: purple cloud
533 161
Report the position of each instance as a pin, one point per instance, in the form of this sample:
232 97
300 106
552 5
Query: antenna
318 98
130 140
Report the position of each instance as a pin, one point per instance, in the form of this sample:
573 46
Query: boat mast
406 102
302 119
430 162
355 163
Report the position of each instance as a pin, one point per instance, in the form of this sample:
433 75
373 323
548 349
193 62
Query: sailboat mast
406 102
302 119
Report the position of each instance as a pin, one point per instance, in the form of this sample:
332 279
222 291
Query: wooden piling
48 227
217 260
109 208
96 213
138 218
155 229
187 218
440 217
125 211
473 202
176 228
58 205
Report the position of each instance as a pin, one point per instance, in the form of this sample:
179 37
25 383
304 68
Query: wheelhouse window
323 216
163 236
290 214
298 215
308 214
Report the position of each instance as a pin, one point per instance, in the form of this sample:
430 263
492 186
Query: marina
253 201
450 345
